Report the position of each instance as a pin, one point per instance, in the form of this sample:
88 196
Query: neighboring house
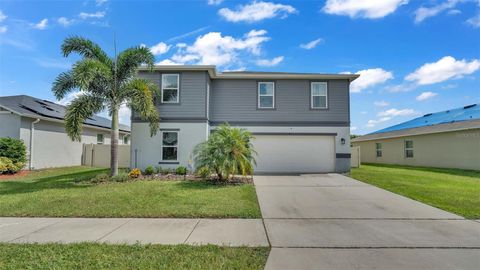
40 124
300 121
448 139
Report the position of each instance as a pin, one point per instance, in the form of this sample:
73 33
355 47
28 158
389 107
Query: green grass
102 256
55 193
453 190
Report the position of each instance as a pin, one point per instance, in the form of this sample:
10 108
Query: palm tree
105 83
227 151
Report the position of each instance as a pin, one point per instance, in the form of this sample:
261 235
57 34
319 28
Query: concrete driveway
332 221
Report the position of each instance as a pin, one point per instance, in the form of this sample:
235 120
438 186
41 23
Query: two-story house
300 121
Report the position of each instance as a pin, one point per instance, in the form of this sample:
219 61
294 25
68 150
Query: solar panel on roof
469 112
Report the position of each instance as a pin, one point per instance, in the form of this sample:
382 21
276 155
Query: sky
413 57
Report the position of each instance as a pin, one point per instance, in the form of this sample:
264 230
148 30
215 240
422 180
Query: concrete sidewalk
228 232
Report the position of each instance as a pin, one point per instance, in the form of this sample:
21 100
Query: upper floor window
125 139
170 88
266 95
408 148
319 92
99 138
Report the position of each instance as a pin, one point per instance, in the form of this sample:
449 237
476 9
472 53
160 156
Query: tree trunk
114 143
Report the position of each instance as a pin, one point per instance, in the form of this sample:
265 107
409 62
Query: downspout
32 129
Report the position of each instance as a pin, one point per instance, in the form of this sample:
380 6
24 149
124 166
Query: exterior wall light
342 141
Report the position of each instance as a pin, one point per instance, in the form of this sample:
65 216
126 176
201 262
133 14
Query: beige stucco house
40 124
448 139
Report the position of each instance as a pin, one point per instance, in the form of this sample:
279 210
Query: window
169 145
266 95
125 139
409 149
318 93
378 149
99 138
170 91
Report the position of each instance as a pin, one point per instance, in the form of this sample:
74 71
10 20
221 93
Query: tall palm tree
105 84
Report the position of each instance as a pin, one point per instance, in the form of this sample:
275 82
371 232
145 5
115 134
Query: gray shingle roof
30 106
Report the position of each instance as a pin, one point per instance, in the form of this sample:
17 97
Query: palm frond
86 71
63 84
129 60
141 94
78 110
85 48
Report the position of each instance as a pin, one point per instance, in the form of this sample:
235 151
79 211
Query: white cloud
215 49
475 21
3 29
353 128
2 16
47 62
371 9
368 78
69 97
454 12
167 62
312 44
387 115
96 15
395 112
160 48
100 2
256 11
442 70
64 21
214 2
41 25
269 62
372 123
124 114
381 103
425 12
425 95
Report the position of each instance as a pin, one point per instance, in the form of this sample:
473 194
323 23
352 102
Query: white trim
260 95
161 145
103 138
178 88
312 95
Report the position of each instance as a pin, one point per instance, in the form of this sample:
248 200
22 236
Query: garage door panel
298 154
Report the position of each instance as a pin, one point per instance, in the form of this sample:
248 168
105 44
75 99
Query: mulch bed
13 176
192 177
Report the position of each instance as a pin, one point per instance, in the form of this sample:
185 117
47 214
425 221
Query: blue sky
414 57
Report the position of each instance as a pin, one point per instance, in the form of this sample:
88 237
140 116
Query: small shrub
149 170
167 171
158 169
14 149
8 166
203 172
100 178
181 170
134 173
121 177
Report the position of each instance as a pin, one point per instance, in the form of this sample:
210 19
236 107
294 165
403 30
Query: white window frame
312 95
176 146
259 95
377 150
103 138
178 88
409 149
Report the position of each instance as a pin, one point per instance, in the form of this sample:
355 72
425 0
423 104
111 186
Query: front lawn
102 256
456 191
55 193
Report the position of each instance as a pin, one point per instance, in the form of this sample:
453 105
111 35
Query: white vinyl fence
98 155
355 158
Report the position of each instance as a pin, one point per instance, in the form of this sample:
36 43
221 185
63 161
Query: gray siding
193 91
235 101
9 125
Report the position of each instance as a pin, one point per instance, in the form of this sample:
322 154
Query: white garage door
294 153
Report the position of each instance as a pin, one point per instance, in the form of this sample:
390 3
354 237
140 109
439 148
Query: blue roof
470 112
